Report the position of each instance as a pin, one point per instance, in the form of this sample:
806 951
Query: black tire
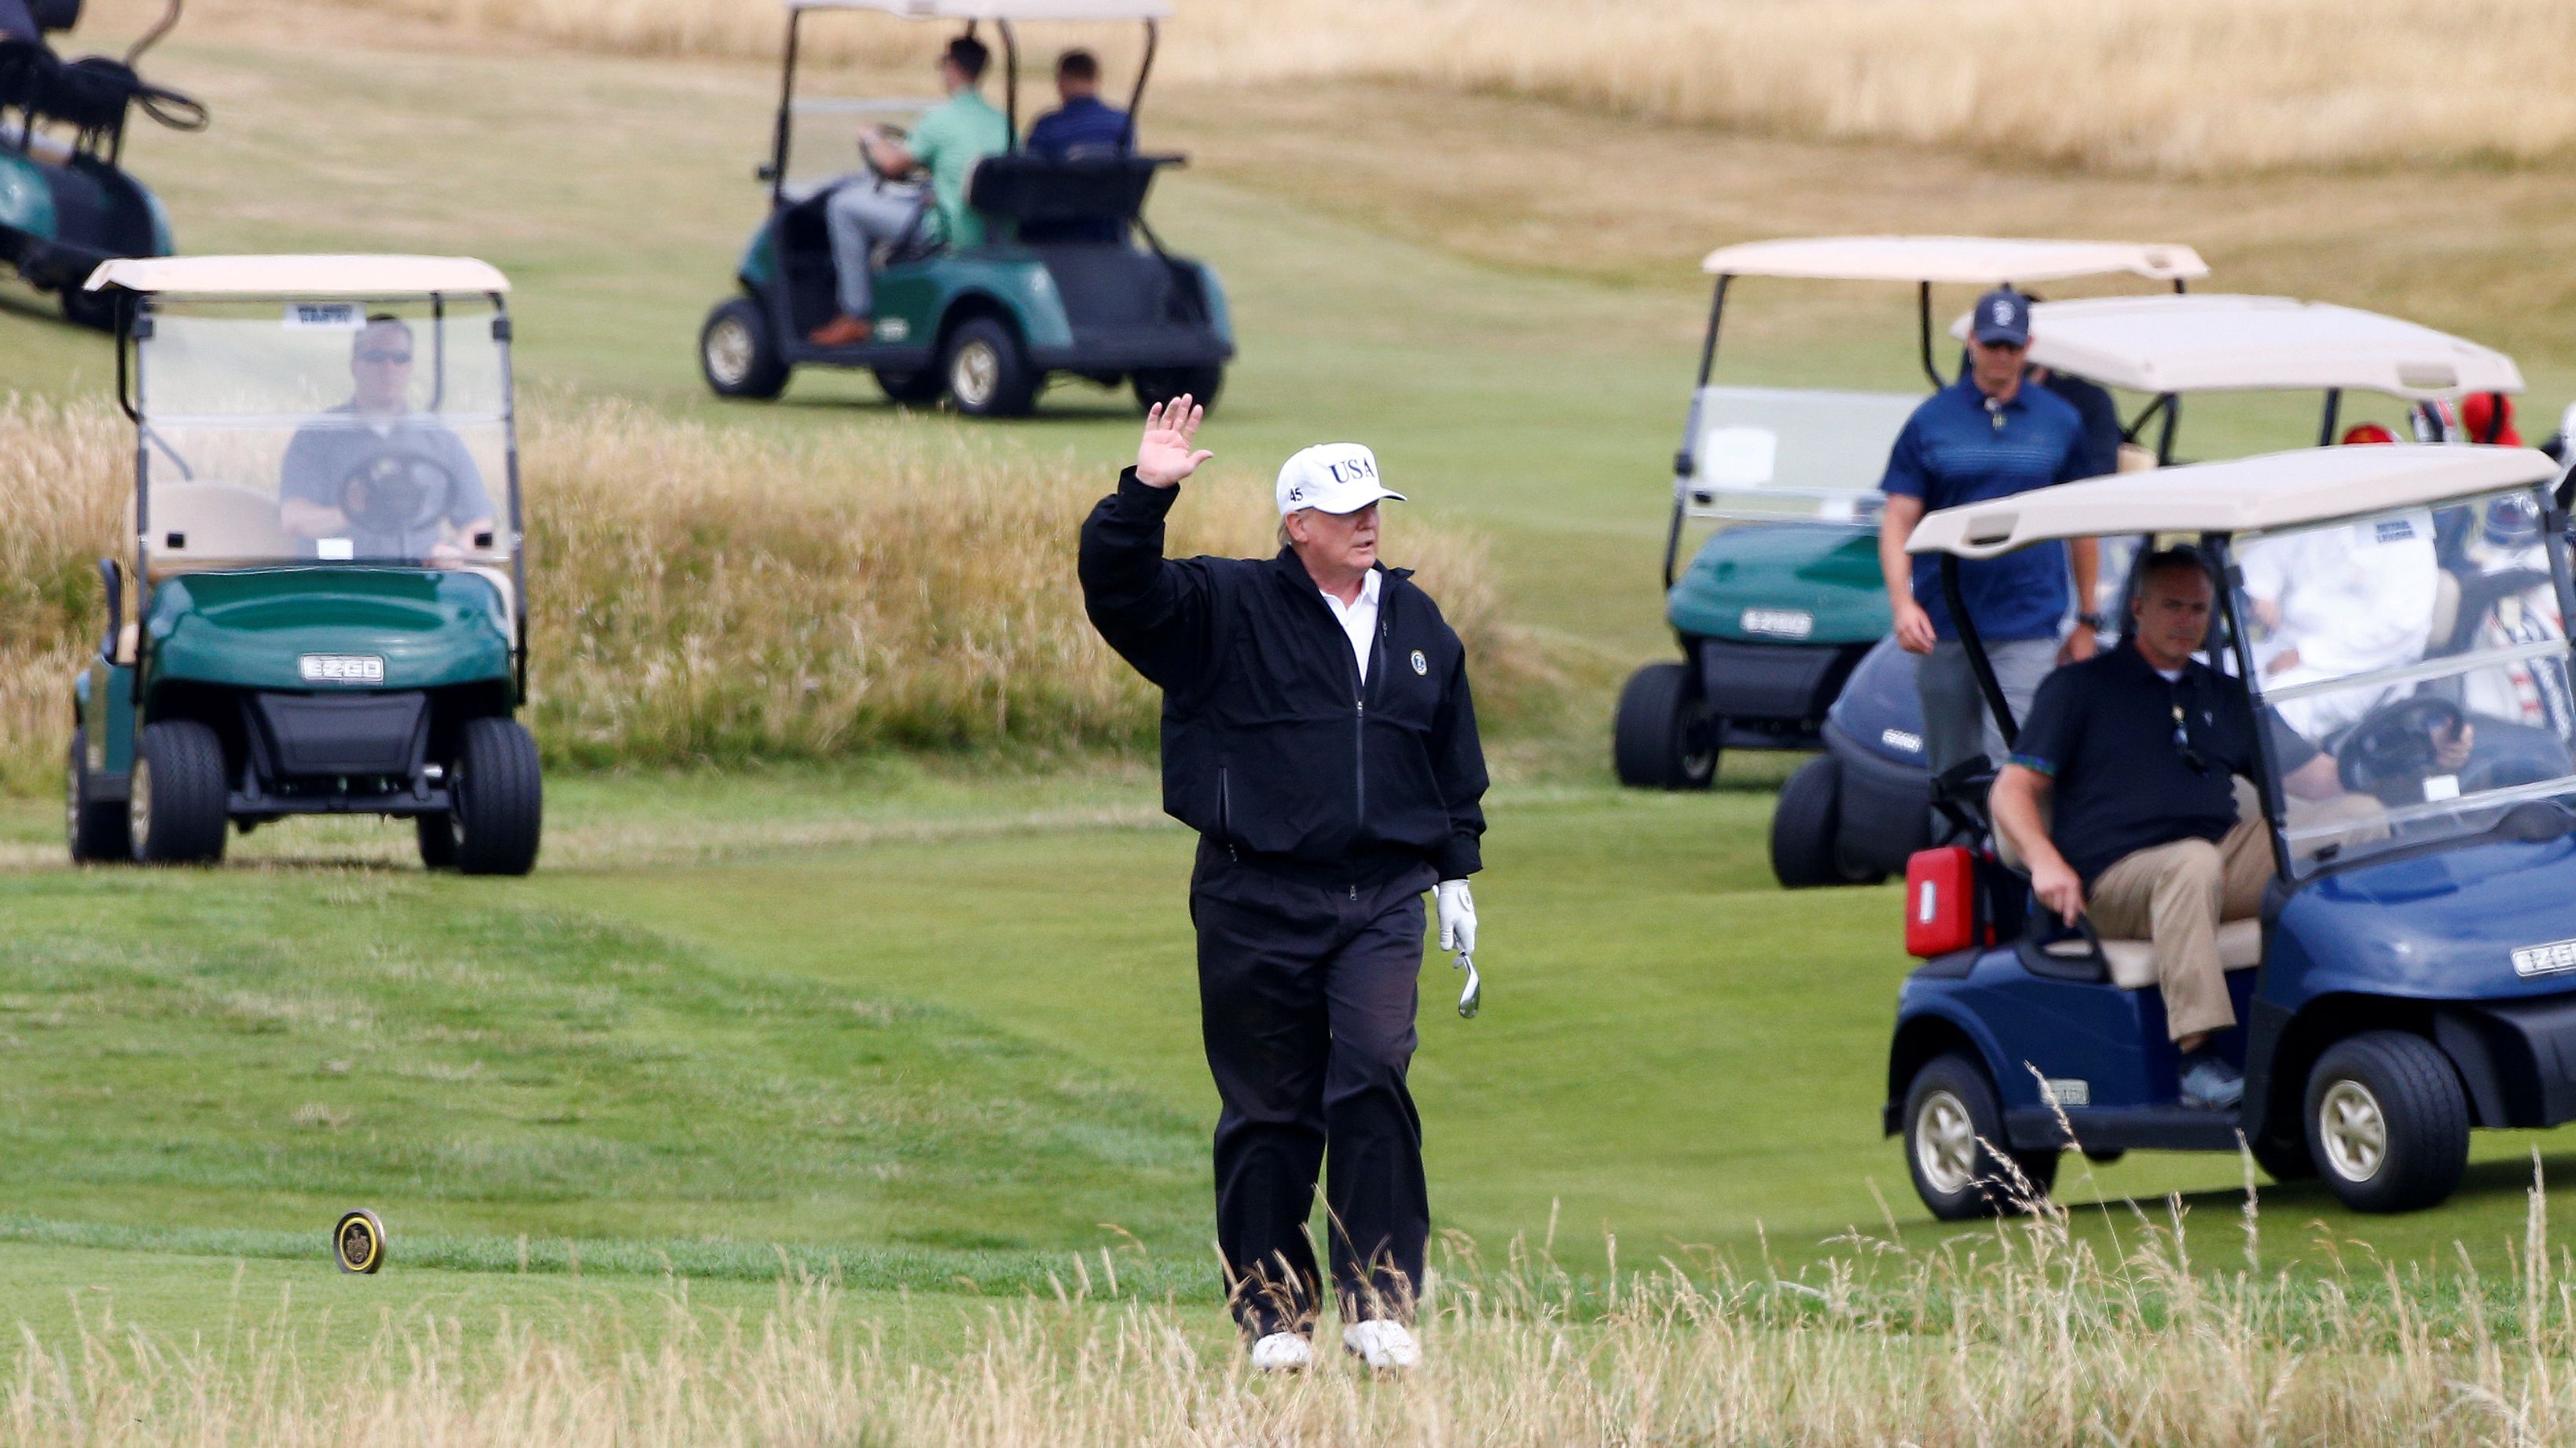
176 813
499 796
2400 1138
738 354
1953 1127
94 829
85 308
916 388
2284 1159
1664 737
1806 826
1156 385
986 371
437 834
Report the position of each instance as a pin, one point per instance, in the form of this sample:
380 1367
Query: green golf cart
1782 601
1069 280
324 609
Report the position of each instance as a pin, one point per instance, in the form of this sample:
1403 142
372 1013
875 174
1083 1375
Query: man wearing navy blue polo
1988 435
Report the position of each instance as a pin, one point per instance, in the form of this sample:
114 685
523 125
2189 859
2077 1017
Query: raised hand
1164 455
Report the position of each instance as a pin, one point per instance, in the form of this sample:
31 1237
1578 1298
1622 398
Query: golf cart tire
1651 739
1806 826
737 353
914 387
986 371
2423 1116
1158 385
2283 1159
437 832
500 803
177 811
94 829
1989 1190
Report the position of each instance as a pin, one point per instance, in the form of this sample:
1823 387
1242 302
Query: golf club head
1473 995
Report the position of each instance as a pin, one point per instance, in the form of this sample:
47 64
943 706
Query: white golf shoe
1383 1345
1282 1352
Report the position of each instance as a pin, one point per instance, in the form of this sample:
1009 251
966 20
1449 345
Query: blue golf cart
1781 602
2412 975
1865 803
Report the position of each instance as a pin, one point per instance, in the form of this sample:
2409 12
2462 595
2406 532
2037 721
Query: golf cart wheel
986 371
1953 1129
499 799
915 388
737 353
1664 737
2284 1159
2387 1122
85 308
1806 826
1158 385
94 829
175 814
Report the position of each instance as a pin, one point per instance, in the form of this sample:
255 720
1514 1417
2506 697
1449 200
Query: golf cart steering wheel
2389 753
881 175
388 494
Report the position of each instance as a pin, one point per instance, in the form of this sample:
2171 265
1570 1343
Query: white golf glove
1457 916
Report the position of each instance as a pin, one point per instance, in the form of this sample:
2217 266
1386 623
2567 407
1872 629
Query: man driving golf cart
375 479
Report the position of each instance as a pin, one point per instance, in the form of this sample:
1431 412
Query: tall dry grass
2174 86
713 595
2023 1335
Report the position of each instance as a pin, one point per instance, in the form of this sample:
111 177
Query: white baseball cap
1331 477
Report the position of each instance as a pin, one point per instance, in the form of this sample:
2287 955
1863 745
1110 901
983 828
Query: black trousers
1308 981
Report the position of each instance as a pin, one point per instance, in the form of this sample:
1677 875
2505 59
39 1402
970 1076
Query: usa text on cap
1331 477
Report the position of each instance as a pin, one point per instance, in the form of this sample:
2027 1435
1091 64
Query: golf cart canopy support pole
1010 82
1144 70
1923 314
1978 663
786 104
2334 409
1684 464
2224 577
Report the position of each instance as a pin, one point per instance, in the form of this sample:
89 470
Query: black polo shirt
2103 732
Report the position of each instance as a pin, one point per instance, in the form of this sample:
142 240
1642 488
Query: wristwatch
2092 621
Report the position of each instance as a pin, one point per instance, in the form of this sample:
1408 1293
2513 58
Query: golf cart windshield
333 431
822 140
2424 652
1773 453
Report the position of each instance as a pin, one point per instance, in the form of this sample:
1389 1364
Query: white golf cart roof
1971 260
2216 343
2273 490
1001 9
298 276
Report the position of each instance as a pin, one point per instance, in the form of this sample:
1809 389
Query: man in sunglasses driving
374 479
2138 750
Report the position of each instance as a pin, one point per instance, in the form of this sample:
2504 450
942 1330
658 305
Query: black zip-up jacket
1271 745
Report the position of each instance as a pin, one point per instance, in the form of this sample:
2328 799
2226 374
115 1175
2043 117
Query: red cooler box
1940 901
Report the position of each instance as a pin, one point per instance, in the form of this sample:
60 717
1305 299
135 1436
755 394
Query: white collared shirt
1358 618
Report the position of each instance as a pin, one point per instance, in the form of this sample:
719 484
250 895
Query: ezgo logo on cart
2545 959
341 669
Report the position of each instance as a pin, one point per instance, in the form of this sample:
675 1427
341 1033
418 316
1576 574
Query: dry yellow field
2179 87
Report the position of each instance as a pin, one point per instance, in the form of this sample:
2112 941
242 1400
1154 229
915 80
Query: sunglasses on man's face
394 359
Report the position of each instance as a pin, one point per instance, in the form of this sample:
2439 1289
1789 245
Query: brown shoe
842 331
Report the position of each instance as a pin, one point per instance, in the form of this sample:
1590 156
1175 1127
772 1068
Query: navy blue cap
2002 315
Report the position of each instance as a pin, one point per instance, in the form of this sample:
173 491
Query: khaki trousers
2173 897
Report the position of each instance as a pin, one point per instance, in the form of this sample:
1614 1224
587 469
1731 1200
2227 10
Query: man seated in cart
375 479
947 142
2138 750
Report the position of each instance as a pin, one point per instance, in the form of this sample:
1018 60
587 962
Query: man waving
1319 735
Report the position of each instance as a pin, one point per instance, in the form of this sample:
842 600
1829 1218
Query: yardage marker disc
358 1241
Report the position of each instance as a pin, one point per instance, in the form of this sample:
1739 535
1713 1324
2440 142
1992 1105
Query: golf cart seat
2133 962
1082 197
202 525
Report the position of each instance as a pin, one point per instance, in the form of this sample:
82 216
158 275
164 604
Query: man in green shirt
947 142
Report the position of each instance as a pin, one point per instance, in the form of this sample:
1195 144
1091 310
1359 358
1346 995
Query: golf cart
1782 601
2412 973
66 204
1060 285
1858 810
328 592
